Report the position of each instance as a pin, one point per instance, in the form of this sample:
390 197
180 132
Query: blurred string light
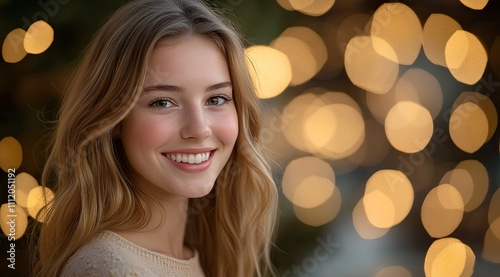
366 68
330 125
473 121
24 184
39 197
437 31
12 49
419 86
30 197
11 153
363 226
270 70
470 178
465 57
442 210
309 183
391 271
306 51
475 4
308 7
18 43
409 127
491 246
388 198
494 209
7 213
397 26
449 257
39 37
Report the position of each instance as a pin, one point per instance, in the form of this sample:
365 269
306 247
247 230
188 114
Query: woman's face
181 132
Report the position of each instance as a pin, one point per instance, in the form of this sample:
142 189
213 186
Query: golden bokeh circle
442 210
12 153
409 127
399 26
12 48
39 37
270 70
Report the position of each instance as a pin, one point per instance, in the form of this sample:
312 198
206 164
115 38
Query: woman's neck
166 230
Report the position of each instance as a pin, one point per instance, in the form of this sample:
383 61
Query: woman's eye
217 100
161 103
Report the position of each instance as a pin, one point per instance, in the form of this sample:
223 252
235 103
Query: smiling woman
156 159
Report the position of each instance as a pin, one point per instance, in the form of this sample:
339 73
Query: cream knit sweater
109 254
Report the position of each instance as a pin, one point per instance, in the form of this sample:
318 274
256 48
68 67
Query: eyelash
154 102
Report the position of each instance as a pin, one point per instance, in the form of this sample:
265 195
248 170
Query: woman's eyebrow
219 86
164 87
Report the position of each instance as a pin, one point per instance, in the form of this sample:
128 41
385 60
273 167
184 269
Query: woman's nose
195 124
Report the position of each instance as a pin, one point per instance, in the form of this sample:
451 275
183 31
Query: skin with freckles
186 109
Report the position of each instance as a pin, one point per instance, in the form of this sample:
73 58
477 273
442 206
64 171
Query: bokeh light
312 192
308 7
388 198
305 50
486 105
398 26
11 153
475 4
347 131
321 214
9 212
409 127
437 31
379 105
393 271
465 57
491 246
12 48
449 257
363 226
302 168
473 121
480 182
494 209
39 37
419 86
38 198
442 210
294 116
270 70
366 68
353 25
24 184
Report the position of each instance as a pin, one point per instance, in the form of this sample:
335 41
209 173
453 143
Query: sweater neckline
162 258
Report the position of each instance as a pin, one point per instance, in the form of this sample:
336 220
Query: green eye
218 100
161 103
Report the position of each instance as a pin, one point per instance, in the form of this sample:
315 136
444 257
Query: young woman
156 160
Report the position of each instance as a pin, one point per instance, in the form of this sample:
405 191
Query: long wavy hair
231 227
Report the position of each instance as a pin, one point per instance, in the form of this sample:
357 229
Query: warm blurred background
381 120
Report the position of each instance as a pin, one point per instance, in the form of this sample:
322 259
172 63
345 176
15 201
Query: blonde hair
231 227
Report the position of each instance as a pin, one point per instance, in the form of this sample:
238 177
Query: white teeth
189 158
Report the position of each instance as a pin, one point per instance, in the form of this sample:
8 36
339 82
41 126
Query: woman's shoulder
103 255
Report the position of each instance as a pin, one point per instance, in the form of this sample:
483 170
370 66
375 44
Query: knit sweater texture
109 254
